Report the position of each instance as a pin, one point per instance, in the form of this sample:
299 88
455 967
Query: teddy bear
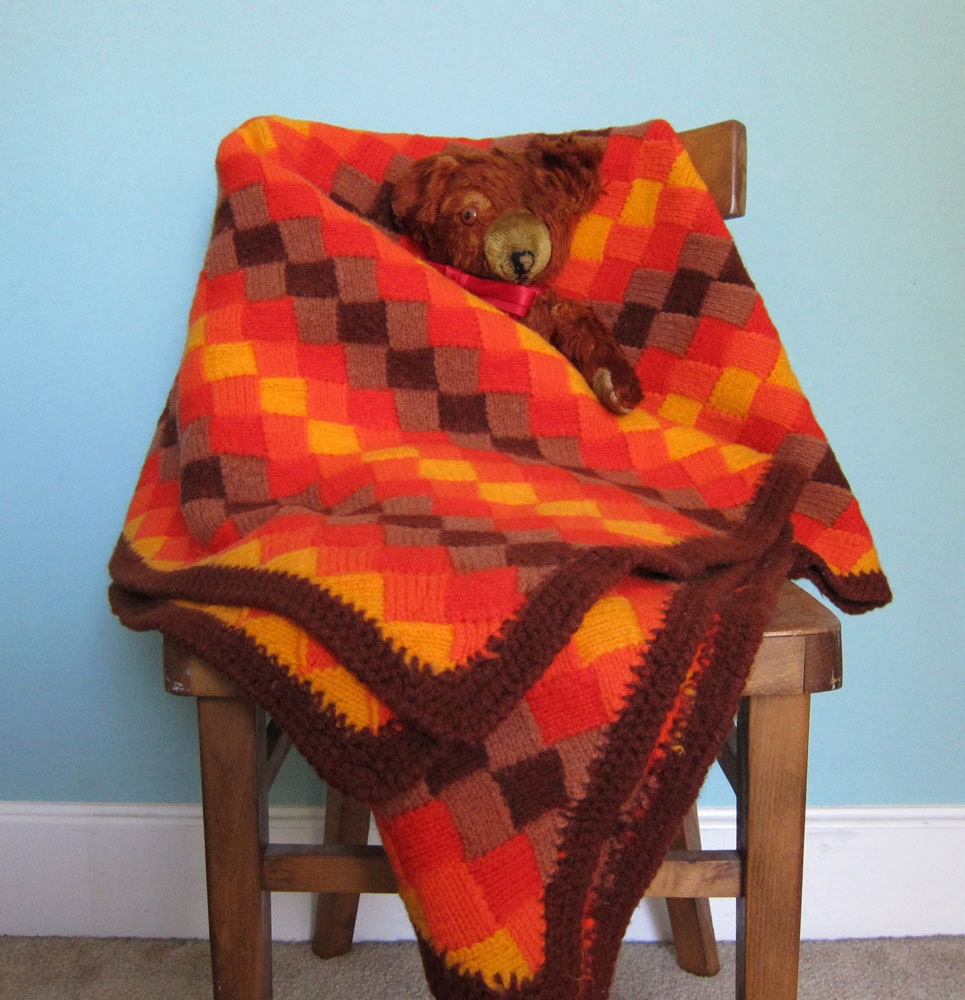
500 222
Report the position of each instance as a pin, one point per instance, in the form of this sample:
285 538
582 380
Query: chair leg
773 747
690 919
232 740
346 822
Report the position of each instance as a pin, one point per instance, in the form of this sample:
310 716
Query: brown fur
510 216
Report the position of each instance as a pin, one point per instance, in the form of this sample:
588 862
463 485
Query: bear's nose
523 261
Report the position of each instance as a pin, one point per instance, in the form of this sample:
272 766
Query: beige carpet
98 969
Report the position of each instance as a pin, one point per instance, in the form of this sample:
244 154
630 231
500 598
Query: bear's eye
468 215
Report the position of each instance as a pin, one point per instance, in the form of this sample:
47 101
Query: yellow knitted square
739 457
569 508
347 695
684 441
244 554
220 361
431 642
643 531
610 624
448 470
681 409
641 205
497 959
298 562
362 590
782 375
512 494
683 174
589 240
735 391
288 396
327 438
258 136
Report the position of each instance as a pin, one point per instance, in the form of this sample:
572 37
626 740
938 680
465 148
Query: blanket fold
515 623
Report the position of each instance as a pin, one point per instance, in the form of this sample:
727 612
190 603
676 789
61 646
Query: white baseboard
138 871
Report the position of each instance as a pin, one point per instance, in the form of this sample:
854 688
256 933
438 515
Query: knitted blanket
515 623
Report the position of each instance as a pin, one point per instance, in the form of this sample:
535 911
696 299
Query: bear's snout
517 247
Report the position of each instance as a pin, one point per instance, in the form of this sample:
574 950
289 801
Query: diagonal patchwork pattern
401 522
480 844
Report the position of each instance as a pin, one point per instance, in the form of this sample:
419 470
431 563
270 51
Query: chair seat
801 651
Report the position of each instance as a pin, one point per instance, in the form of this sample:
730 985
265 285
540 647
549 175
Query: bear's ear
419 191
572 166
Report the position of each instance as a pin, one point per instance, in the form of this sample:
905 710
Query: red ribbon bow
513 299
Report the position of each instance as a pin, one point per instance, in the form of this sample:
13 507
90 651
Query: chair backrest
719 152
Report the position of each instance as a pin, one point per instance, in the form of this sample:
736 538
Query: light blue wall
111 112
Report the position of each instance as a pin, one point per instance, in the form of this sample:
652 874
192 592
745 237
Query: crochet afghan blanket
515 623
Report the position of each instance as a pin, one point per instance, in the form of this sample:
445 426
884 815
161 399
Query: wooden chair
765 761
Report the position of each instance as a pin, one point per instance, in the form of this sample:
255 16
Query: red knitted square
664 247
225 290
423 839
567 705
292 200
508 876
454 906
274 320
